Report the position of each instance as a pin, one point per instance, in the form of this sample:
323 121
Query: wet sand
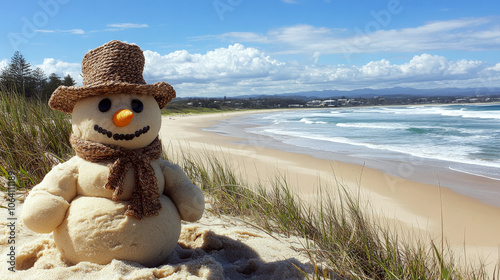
468 224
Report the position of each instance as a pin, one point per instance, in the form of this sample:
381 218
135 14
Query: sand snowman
116 199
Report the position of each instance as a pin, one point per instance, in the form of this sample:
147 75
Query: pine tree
20 78
18 74
53 83
68 81
38 83
4 79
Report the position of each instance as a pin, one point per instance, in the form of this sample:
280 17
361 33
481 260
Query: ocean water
459 138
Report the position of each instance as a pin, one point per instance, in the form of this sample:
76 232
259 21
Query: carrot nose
123 117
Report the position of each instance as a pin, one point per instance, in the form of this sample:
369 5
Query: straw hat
114 67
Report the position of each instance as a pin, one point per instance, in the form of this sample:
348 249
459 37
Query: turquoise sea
400 140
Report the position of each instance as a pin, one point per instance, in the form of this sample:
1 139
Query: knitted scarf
145 200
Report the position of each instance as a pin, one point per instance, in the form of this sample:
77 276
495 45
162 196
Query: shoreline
467 223
423 170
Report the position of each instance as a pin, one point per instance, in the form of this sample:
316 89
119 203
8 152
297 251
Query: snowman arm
45 207
187 197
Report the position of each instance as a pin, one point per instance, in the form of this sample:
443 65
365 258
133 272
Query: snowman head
128 120
114 105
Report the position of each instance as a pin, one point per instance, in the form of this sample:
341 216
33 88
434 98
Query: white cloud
122 26
61 68
45 31
495 68
223 64
70 31
467 34
110 28
241 37
3 64
422 71
77 31
239 70
127 25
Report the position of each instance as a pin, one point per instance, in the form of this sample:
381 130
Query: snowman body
97 230
88 224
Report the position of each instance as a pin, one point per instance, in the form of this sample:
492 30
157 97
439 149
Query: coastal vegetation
179 108
33 138
212 105
343 242
18 76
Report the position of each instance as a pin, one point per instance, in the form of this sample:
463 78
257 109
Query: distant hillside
368 93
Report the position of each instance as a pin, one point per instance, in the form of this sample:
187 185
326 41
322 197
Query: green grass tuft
342 242
33 138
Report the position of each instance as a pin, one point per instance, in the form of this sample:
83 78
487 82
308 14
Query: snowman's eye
137 105
105 105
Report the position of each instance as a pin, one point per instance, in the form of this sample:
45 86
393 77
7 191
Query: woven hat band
113 62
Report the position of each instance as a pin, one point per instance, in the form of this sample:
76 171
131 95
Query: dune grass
193 110
33 138
342 241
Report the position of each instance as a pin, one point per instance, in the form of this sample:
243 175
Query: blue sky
234 47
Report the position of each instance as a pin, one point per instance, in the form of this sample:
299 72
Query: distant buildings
334 102
476 99
314 103
300 102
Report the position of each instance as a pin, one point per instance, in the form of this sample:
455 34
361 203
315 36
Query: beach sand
470 226
217 246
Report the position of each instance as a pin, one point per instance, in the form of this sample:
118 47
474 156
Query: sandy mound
212 248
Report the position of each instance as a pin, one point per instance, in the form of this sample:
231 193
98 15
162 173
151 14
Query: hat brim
64 98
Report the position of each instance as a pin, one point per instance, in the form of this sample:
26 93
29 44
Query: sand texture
212 248
416 210
221 248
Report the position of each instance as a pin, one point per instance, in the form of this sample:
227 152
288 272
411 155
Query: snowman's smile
118 136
